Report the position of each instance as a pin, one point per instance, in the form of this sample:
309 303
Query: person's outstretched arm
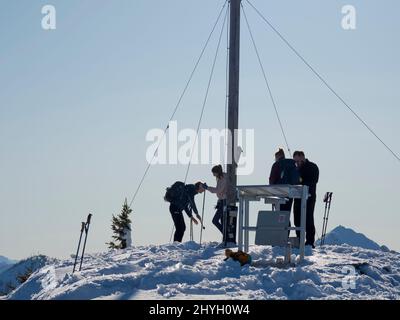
193 204
220 188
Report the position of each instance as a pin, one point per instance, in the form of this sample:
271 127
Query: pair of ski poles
328 201
84 227
202 225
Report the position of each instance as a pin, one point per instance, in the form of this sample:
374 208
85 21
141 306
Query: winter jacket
284 171
309 174
221 188
190 204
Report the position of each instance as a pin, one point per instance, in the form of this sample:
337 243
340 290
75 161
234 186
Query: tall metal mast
233 102
233 120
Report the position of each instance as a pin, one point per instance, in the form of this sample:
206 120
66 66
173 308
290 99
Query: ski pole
323 220
326 200
327 214
191 230
202 217
172 233
225 224
87 224
79 245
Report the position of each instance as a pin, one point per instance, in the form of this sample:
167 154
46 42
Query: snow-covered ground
190 271
12 276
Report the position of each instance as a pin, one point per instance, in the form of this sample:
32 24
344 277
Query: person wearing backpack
181 198
284 171
220 190
309 176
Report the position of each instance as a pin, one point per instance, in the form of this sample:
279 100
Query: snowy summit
342 235
191 271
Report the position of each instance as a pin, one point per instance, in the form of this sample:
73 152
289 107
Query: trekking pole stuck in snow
84 227
328 201
224 225
86 234
172 233
202 218
191 230
79 245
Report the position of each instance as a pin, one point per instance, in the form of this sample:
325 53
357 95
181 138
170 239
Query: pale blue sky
77 102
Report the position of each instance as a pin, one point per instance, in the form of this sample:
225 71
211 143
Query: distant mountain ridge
6 263
5 260
342 235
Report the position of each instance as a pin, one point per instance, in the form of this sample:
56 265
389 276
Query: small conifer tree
121 227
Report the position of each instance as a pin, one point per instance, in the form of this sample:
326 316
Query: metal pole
240 236
172 233
233 101
303 221
247 225
327 214
327 200
202 217
225 224
79 245
324 219
86 234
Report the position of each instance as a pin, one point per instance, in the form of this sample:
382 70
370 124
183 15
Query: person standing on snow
220 190
309 176
181 197
284 171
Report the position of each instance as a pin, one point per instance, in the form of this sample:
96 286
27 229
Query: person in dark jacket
309 176
283 171
188 205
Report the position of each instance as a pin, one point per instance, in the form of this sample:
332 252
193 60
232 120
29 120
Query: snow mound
191 271
19 272
341 235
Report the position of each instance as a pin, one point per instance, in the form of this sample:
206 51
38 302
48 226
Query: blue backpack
289 172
